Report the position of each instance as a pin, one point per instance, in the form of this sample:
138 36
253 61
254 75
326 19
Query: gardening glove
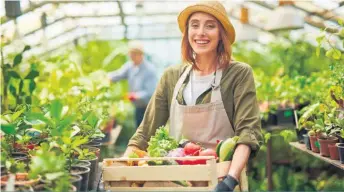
228 184
132 97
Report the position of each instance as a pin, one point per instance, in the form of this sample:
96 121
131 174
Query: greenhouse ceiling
47 25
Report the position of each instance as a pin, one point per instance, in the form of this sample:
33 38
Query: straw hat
136 46
213 8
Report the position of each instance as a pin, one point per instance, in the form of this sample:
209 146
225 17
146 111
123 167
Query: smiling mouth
201 42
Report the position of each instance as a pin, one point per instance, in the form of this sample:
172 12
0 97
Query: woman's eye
210 26
194 25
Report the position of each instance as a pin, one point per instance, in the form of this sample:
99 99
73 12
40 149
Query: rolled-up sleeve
156 115
247 122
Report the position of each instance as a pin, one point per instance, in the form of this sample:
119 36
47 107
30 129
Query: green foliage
161 143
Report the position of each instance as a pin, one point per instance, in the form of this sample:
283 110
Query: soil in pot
75 180
313 140
340 147
333 151
21 179
324 145
307 141
84 172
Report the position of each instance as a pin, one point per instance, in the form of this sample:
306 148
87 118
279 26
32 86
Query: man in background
141 76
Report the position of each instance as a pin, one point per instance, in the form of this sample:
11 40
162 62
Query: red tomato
208 152
192 149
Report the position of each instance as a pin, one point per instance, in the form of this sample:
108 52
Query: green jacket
239 98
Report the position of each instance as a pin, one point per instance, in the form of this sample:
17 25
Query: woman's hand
228 184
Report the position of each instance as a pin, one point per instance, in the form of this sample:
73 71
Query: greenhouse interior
172 95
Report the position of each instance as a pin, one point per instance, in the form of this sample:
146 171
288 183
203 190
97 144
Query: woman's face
204 33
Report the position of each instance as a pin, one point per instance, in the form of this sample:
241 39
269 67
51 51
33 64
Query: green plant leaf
17 114
26 48
38 116
28 100
14 74
336 54
317 51
320 38
329 53
56 109
32 86
17 59
13 90
54 176
92 120
21 85
67 121
8 129
32 74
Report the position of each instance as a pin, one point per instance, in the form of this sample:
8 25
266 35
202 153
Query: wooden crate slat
158 173
160 188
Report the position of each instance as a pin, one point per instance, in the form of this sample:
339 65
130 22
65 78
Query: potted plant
85 154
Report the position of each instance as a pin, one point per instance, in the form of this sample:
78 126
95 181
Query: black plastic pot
82 163
272 120
93 173
93 144
307 141
84 172
3 170
340 139
20 156
300 133
341 152
285 117
76 181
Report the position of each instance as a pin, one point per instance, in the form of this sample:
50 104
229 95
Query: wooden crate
119 177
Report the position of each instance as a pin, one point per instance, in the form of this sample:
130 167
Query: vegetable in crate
227 148
161 143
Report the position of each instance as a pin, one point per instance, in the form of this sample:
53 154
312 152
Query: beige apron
204 123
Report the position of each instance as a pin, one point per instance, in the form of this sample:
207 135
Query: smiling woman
209 97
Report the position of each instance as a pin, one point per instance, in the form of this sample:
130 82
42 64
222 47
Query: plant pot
92 149
307 141
75 180
333 151
43 187
21 179
81 163
340 147
93 173
84 172
3 169
285 117
93 144
20 156
340 139
271 120
300 133
313 140
324 145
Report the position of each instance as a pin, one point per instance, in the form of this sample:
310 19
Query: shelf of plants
335 161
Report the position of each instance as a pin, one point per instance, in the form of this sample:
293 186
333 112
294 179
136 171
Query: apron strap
216 91
180 82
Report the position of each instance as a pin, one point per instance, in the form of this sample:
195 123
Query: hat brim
223 19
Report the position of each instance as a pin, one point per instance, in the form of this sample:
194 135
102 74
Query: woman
211 97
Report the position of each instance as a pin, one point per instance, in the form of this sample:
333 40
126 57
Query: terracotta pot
324 145
333 151
19 179
313 139
340 147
